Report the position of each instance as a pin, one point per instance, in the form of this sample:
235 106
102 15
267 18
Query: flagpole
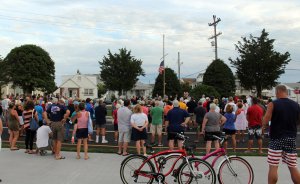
164 76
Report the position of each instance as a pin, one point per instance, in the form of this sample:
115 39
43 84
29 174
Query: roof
142 86
189 80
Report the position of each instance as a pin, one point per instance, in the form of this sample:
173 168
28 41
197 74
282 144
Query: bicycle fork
229 166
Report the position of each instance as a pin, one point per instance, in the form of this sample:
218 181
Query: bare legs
208 145
139 144
85 148
13 137
273 174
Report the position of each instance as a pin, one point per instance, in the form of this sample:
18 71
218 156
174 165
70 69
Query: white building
139 90
8 89
79 86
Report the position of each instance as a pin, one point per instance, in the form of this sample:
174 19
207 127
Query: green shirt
156 114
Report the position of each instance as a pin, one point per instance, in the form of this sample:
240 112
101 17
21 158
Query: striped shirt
27 114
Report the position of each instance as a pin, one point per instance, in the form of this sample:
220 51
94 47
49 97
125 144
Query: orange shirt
167 108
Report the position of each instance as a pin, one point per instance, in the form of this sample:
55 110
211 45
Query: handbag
90 124
33 125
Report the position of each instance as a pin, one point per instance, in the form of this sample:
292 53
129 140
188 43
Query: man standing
200 112
100 114
156 125
284 115
231 102
58 115
191 108
177 120
124 127
254 118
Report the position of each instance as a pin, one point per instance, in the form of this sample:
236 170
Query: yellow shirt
182 106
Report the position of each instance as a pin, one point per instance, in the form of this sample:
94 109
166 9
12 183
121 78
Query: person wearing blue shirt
177 120
39 109
229 127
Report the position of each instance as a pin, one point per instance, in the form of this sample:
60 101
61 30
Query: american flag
161 67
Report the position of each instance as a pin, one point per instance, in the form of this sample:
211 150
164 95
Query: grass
131 149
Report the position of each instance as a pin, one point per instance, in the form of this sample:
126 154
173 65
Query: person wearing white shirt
42 138
139 123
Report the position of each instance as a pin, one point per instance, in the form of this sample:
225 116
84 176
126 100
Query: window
88 92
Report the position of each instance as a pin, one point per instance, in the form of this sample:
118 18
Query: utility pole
179 64
164 76
215 34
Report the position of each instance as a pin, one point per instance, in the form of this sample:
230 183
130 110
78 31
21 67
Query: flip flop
119 153
14 149
78 157
86 158
60 158
126 154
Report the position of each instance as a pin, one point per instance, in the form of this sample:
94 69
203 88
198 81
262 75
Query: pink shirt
145 110
82 122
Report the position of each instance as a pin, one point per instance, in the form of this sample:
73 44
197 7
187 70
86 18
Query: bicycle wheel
196 171
171 161
237 170
129 167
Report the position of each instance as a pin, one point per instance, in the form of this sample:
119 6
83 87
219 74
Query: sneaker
104 141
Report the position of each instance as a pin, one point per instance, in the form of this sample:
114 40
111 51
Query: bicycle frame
180 153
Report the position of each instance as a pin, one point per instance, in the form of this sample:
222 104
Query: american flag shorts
283 148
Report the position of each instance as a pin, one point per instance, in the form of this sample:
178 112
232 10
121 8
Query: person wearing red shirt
254 117
115 122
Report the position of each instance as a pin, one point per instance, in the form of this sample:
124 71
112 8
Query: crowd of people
134 118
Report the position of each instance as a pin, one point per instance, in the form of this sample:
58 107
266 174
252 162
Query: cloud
77 34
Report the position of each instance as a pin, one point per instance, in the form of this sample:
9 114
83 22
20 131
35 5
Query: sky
77 34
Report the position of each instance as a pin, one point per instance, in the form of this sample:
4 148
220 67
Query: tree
185 87
120 72
101 89
259 65
172 84
220 76
202 89
30 67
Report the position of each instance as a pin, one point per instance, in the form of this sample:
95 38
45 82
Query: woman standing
241 122
211 126
13 126
229 127
139 123
19 109
81 130
28 113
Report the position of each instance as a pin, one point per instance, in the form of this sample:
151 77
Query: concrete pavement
18 167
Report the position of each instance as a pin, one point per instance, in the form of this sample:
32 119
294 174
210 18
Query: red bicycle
141 169
232 169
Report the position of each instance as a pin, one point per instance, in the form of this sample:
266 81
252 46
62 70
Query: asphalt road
18 167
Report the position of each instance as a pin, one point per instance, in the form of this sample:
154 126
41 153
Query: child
42 138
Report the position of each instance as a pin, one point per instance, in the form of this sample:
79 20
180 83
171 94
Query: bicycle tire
240 166
128 177
205 173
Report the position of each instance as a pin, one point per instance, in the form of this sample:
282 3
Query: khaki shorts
58 130
125 136
156 128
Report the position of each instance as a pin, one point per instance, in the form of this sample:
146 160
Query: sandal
60 158
26 151
125 154
14 149
86 158
31 152
78 157
119 153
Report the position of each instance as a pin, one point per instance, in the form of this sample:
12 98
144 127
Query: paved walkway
18 167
